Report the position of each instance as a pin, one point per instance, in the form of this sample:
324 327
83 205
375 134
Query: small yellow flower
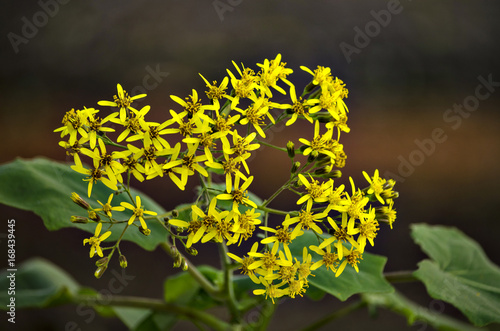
239 194
121 100
245 262
305 220
96 240
215 92
272 291
138 211
107 208
376 185
93 174
315 191
351 256
329 260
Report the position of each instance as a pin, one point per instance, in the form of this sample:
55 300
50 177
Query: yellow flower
231 168
96 240
353 204
215 92
112 168
243 87
341 235
190 164
107 208
239 194
191 105
138 211
245 262
367 230
272 291
306 220
329 260
269 262
244 224
319 142
315 191
351 256
376 185
386 213
95 126
282 235
134 123
320 75
121 100
75 122
271 72
93 175
299 107
152 135
207 224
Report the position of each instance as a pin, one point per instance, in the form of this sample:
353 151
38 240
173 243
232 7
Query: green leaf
44 187
38 283
132 317
369 278
183 289
459 273
415 313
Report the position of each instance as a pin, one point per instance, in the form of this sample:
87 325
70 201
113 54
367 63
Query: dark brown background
401 84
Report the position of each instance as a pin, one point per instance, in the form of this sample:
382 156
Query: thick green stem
156 305
228 288
335 315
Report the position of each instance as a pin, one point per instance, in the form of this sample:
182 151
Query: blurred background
404 72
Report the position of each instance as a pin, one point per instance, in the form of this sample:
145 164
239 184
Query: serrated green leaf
38 284
460 272
44 187
415 313
369 278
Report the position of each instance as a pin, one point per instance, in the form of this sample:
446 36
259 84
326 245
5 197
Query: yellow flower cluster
211 142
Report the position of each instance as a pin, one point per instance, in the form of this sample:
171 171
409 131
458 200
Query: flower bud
333 174
93 216
312 156
295 167
290 148
145 231
79 201
175 252
101 262
175 213
100 271
123 261
184 265
192 251
179 261
79 219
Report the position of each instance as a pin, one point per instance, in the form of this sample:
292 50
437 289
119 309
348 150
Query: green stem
266 315
270 145
228 287
156 305
400 276
195 273
275 211
335 315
